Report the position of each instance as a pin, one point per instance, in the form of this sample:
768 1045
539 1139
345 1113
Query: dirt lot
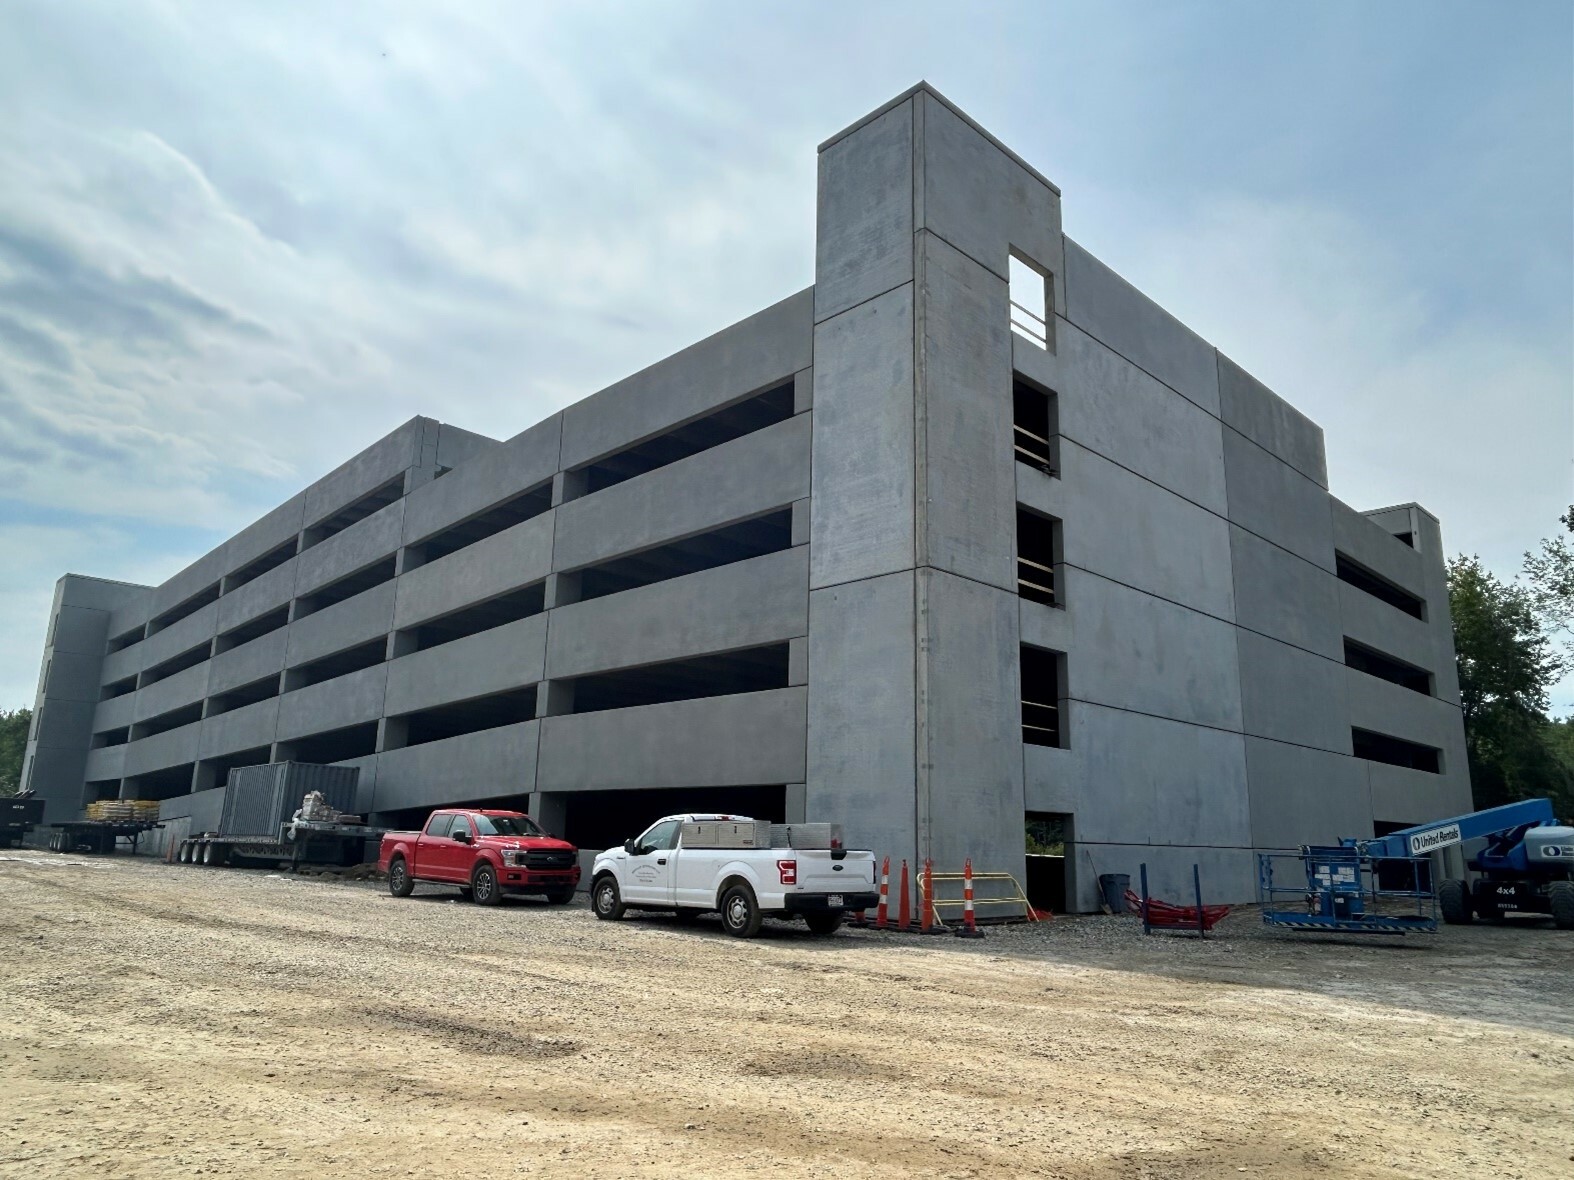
163 1020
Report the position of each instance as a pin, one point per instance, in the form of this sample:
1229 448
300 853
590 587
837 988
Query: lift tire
606 899
740 912
400 883
559 896
1453 899
1561 895
823 925
484 889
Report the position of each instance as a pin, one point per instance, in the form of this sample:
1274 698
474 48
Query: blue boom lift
1527 867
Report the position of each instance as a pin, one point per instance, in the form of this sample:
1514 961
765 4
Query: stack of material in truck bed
123 811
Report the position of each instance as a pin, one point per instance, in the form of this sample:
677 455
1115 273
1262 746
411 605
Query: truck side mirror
630 847
462 836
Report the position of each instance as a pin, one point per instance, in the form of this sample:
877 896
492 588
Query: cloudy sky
238 242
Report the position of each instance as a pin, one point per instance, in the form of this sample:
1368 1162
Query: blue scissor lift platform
1339 891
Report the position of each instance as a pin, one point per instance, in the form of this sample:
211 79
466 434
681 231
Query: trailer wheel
183 853
1561 895
1453 898
399 883
740 912
824 924
606 900
213 855
483 885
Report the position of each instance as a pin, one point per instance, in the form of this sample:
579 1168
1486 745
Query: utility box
710 833
258 800
807 836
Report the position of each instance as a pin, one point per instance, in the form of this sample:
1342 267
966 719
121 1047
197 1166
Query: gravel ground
170 1020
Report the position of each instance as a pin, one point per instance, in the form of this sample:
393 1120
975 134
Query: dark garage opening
754 669
595 820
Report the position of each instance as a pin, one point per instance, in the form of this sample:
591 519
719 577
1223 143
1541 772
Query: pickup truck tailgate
820 872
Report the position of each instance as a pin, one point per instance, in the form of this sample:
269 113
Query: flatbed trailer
299 841
98 836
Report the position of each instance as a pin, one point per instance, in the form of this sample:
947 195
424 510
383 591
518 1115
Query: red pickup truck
486 853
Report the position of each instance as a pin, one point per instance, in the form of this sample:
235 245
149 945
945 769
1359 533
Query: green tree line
14 724
1515 640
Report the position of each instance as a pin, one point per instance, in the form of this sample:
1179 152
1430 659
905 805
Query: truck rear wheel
824 924
1453 898
213 855
483 885
1561 895
399 882
740 912
606 900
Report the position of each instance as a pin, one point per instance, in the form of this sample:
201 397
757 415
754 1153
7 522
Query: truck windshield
506 825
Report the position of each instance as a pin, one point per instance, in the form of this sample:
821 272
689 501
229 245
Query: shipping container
259 799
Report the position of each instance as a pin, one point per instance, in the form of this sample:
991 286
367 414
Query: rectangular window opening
246 694
756 669
1385 667
1382 747
97 790
348 587
112 737
164 722
1030 302
186 659
494 520
215 772
1038 556
1378 587
118 688
1042 675
484 616
127 639
254 629
190 607
473 716
253 570
169 783
720 426
341 663
1035 428
336 745
724 546
374 501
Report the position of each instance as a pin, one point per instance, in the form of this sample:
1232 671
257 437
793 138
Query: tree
1506 665
14 726
1550 573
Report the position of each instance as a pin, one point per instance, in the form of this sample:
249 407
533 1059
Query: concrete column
803 391
554 698
392 733
550 810
561 589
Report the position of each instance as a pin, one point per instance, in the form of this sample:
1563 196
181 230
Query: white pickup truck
691 864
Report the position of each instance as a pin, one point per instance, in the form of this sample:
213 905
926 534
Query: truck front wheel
740 913
483 885
606 900
1561 895
1453 898
399 882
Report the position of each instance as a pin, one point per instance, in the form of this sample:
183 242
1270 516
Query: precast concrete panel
1404 796
351 699
1111 407
180 636
1054 779
527 460
105 764
245 728
503 658
1053 628
248 662
505 561
183 688
1304 796
1274 500
200 575
1111 310
862 499
1373 623
1378 550
864 243
1130 530
257 597
123 664
737 480
170 748
266 534
1429 543
1392 709
983 202
79 629
103 594
63 723
456 447
74 675
1135 651
1041 492
1271 422
377 465
969 510
970 761
747 358
746 604
366 542
748 739
1280 594
131 613
489 765
350 623
115 713
862 706
1291 695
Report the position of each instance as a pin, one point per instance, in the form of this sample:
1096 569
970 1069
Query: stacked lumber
123 811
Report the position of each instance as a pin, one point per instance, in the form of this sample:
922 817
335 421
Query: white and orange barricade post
968 928
881 911
904 907
926 898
